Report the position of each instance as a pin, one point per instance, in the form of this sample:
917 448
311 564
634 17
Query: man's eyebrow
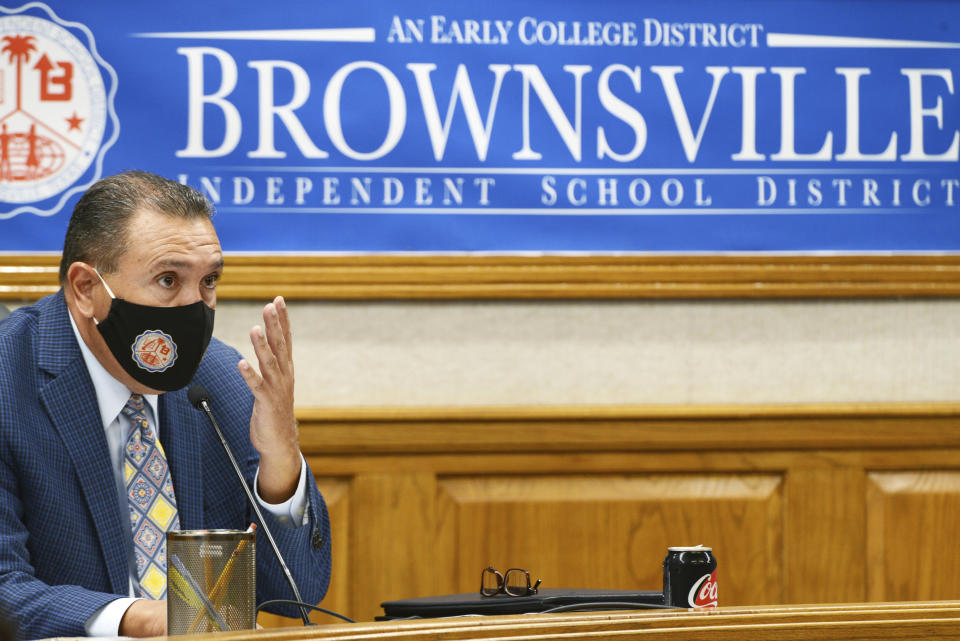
174 263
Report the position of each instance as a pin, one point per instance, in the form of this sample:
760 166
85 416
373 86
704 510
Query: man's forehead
155 239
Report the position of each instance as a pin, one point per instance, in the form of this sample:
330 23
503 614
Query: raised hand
273 427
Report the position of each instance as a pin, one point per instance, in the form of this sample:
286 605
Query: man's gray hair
97 232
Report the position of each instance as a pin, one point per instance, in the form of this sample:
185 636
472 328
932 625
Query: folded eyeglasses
513 582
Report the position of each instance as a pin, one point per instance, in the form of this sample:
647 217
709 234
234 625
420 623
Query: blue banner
796 126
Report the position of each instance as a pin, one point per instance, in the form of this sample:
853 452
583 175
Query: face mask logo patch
154 351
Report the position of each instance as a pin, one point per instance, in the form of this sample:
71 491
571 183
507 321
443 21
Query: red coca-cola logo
703 594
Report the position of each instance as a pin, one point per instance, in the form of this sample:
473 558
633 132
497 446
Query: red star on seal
74 122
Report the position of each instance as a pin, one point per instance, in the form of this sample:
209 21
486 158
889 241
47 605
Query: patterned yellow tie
153 507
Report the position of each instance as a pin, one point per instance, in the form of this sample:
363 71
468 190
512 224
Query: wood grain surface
920 620
803 504
547 277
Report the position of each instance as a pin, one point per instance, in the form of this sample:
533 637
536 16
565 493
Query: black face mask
160 347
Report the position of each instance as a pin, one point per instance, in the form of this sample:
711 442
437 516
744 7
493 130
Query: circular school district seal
154 351
55 109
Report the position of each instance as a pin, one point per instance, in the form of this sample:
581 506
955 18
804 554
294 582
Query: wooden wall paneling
336 494
544 277
392 541
825 528
913 518
612 531
625 428
628 462
423 498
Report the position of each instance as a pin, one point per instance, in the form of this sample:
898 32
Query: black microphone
199 399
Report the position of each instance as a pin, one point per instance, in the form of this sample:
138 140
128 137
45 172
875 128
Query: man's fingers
253 380
276 338
285 325
272 385
266 359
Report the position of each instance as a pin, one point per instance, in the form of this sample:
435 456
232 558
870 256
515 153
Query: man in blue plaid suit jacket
65 542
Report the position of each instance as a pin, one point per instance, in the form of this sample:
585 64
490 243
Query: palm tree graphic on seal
19 48
27 154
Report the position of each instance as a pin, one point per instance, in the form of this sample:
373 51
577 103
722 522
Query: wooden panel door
337 496
913 518
824 532
612 531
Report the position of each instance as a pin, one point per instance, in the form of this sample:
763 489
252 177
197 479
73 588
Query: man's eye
210 282
167 281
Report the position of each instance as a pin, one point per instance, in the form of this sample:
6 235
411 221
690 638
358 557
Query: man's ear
81 282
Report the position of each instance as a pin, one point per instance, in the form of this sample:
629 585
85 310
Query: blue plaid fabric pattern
153 506
64 540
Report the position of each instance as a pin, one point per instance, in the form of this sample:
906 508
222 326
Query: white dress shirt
112 395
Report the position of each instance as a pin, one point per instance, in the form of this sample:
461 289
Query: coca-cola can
690 577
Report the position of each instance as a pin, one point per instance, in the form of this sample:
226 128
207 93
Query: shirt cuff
293 511
105 622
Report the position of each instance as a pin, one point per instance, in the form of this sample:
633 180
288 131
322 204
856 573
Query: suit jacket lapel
179 436
69 399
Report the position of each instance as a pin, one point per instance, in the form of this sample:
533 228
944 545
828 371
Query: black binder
451 605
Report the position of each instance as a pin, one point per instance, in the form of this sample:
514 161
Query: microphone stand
204 405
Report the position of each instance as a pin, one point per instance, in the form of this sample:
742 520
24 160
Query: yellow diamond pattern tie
153 506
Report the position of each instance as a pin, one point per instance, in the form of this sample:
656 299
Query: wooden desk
846 622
